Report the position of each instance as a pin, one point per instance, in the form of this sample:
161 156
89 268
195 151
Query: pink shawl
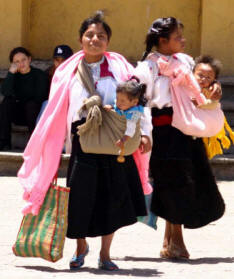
188 118
43 151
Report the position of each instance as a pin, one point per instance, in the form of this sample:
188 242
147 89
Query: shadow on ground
205 260
146 272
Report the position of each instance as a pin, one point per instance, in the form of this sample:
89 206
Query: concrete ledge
227 105
227 80
10 162
223 167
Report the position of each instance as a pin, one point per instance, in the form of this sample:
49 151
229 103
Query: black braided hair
160 28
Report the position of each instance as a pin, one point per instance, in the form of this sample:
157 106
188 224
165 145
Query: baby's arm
215 91
129 133
210 103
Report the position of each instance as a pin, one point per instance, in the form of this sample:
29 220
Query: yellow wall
57 21
25 22
10 28
40 25
217 37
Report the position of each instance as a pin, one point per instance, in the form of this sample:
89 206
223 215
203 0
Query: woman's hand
13 68
145 144
120 143
215 91
107 107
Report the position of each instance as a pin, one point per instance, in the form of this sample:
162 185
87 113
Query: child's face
123 102
204 75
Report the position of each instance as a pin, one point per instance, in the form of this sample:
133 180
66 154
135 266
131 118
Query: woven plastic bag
43 235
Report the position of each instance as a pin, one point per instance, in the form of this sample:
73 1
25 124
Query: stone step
228 109
229 151
10 162
230 118
223 167
228 93
19 137
227 105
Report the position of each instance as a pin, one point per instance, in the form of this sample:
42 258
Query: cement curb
10 162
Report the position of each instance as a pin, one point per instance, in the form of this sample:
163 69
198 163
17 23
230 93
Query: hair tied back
135 78
142 87
154 30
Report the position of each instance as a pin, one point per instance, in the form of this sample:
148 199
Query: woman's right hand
145 145
108 107
13 68
119 144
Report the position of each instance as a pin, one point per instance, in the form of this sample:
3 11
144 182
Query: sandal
177 252
107 265
77 262
164 254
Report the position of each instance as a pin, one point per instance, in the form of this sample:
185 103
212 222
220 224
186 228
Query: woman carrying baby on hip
186 192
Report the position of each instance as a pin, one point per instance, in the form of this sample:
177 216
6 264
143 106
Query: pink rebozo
43 151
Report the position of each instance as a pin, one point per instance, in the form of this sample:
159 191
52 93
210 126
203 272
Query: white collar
95 64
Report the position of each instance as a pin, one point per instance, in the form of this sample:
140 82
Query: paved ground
135 248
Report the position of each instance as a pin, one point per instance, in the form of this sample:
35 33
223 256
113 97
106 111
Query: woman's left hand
145 144
215 91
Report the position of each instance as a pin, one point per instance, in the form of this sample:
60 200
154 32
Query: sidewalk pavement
135 248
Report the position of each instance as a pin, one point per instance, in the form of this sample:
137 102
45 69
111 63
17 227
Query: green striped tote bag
44 235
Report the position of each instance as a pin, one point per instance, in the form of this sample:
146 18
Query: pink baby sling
187 117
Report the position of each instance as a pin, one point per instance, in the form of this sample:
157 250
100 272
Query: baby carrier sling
102 128
187 117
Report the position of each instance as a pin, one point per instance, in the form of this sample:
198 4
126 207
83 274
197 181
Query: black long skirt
185 188
104 195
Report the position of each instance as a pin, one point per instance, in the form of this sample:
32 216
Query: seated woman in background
24 89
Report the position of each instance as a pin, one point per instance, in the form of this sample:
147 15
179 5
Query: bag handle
55 180
85 77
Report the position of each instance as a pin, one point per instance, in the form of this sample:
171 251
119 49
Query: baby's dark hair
98 17
134 90
160 28
215 64
17 50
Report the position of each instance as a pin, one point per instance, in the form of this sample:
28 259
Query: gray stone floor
135 248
